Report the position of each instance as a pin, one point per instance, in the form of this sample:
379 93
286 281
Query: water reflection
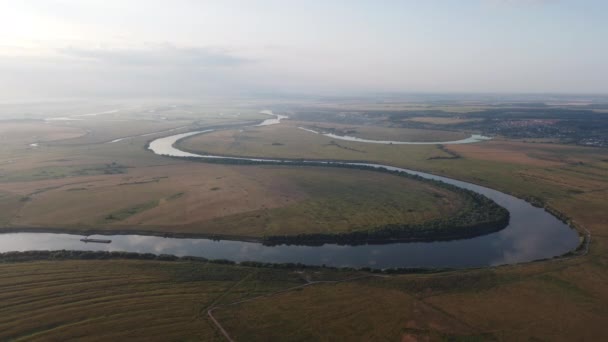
531 234
516 243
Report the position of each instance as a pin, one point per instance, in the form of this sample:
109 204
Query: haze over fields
71 48
322 170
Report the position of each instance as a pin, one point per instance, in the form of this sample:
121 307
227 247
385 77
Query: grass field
83 182
535 302
152 300
559 300
548 301
560 175
15 133
216 199
134 300
383 133
397 106
288 141
571 179
441 120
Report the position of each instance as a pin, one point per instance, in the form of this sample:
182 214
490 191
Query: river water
474 138
532 234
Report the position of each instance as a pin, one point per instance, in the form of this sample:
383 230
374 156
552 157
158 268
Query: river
474 138
532 234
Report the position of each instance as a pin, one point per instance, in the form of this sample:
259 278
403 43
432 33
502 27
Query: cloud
149 70
158 55
525 2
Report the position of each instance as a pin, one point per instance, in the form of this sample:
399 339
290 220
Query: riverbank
513 244
428 163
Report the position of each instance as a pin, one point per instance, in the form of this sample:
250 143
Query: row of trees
87 255
103 255
483 217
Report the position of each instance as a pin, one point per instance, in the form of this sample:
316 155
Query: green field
71 184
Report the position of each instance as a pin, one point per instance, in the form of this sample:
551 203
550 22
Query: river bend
532 234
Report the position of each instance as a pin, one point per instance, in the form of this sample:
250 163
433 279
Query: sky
138 48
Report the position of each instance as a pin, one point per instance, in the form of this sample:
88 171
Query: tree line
11 257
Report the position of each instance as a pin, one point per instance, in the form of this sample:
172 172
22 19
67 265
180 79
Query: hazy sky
191 47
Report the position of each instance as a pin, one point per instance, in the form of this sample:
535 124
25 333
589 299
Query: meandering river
532 234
